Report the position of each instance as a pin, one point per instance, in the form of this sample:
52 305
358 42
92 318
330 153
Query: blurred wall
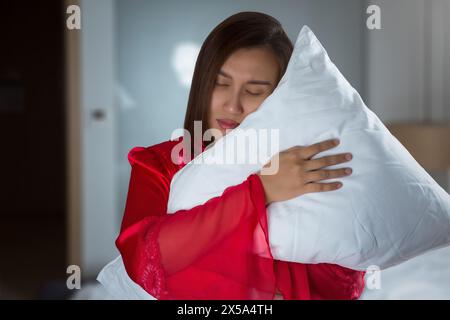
407 74
408 61
97 73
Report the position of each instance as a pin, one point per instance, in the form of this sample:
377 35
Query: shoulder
155 158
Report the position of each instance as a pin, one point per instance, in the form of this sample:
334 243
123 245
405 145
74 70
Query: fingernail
348 156
336 142
348 171
339 185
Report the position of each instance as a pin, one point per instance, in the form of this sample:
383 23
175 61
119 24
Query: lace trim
153 275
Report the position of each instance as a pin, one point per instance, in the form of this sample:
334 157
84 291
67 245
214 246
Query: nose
233 104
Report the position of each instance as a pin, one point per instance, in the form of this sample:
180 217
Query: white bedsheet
424 277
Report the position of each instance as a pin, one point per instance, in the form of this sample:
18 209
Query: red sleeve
333 282
218 250
298 281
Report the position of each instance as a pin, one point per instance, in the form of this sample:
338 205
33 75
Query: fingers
322 187
319 175
327 161
310 151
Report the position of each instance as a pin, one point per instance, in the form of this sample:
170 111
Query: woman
206 252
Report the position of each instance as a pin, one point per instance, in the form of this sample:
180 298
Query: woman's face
246 78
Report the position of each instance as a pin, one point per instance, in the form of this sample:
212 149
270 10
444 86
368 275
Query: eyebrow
262 82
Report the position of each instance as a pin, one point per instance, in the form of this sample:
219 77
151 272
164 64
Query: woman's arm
211 251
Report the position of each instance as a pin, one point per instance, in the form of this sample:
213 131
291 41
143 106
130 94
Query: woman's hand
297 174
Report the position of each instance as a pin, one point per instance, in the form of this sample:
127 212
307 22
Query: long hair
241 30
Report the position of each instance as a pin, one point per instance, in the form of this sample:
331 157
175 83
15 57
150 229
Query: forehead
252 63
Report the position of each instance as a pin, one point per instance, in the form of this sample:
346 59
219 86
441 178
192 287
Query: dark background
32 164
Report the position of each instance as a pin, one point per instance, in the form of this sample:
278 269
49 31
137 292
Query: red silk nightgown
207 252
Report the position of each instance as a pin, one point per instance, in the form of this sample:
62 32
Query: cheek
215 101
218 99
214 109
253 103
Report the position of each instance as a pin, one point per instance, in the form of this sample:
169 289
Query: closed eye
253 93
222 84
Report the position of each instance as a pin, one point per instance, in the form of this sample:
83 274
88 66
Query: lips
227 123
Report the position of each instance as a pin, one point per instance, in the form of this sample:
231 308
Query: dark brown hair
241 30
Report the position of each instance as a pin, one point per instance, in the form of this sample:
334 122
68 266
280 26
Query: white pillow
388 211
119 285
